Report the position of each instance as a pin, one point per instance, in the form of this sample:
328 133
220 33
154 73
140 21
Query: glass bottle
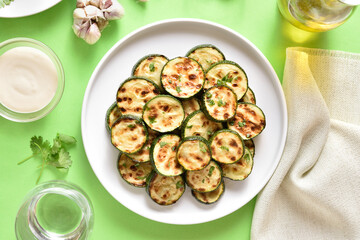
317 15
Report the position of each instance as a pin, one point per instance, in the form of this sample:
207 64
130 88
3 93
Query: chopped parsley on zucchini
240 170
205 180
193 153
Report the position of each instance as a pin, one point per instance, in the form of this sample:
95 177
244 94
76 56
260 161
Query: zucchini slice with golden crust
144 154
219 103
227 73
251 146
133 93
197 124
249 121
249 97
226 146
165 190
150 67
163 155
190 105
163 113
132 172
205 180
206 55
193 153
209 197
182 77
129 134
240 170
112 114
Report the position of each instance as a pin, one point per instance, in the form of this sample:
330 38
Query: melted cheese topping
249 121
206 56
128 135
241 169
133 94
220 103
150 68
166 190
238 84
164 114
132 172
204 180
200 125
193 155
164 155
227 147
182 77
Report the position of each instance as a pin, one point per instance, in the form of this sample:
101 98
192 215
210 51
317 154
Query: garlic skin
112 9
92 16
93 34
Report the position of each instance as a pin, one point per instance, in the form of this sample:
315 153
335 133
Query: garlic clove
95 3
81 27
93 34
102 24
104 4
93 12
79 13
114 11
81 3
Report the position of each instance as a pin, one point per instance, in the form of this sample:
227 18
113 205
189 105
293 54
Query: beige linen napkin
315 190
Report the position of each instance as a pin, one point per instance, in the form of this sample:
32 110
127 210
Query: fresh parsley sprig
55 155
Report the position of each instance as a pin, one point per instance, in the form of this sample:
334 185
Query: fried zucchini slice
190 105
229 74
193 153
165 190
249 121
226 146
249 97
163 155
182 77
206 55
163 113
133 93
240 170
219 103
209 197
251 146
112 114
197 124
205 180
132 172
150 67
144 154
129 134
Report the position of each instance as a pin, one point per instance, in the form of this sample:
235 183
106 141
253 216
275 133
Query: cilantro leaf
152 67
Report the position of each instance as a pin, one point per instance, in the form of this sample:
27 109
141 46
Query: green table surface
257 20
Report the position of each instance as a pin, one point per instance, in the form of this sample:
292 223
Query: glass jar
317 15
55 210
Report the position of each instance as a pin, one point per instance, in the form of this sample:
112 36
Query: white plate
174 38
22 8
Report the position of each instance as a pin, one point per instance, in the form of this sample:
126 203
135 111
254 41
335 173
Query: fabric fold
314 191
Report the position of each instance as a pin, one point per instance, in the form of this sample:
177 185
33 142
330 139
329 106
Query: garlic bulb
92 16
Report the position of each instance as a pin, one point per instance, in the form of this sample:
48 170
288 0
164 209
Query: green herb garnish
3 3
221 103
131 126
163 144
210 133
241 124
248 135
137 165
203 180
212 168
247 158
208 95
152 67
55 155
211 103
124 165
179 185
173 148
202 147
152 120
178 89
190 126
224 148
179 77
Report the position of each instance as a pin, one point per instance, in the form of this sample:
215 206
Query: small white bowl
32 116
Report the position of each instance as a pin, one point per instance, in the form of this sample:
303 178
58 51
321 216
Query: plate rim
277 86
29 13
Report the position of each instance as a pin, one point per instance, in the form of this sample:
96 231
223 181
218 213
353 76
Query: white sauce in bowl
28 79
